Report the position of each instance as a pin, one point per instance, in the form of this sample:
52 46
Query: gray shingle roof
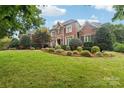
69 21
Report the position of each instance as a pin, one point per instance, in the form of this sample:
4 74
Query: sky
82 13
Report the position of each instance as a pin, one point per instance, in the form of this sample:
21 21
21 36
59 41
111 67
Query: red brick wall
87 30
74 31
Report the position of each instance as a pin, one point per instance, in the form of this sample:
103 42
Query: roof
92 24
69 22
62 24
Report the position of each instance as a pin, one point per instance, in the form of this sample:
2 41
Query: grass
38 69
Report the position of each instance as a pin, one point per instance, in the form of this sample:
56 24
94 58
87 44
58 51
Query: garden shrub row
79 52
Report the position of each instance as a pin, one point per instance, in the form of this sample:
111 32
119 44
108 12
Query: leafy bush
74 43
63 47
51 50
99 54
58 47
95 49
59 51
14 43
68 48
118 47
69 53
4 43
79 49
25 42
86 53
88 45
75 52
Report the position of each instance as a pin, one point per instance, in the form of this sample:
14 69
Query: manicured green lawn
39 69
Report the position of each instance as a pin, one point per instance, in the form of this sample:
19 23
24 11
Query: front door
59 41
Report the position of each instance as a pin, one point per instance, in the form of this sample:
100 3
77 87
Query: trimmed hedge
86 53
95 49
79 49
58 47
69 53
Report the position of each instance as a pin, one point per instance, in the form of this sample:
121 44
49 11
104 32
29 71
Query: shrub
63 47
118 47
79 49
14 43
69 53
68 48
95 49
51 50
86 53
99 54
74 43
59 51
45 49
88 45
25 42
32 48
58 47
105 54
4 43
12 48
75 52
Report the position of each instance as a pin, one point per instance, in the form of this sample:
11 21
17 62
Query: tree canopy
103 38
119 12
19 18
41 38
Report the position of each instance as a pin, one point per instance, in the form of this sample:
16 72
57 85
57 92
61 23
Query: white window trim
68 28
87 38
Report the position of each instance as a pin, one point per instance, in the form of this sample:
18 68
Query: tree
14 43
19 18
119 14
119 32
104 39
25 42
111 28
41 38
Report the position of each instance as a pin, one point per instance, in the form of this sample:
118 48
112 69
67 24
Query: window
68 40
68 28
87 38
52 34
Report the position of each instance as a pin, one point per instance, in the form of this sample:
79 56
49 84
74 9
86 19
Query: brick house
87 31
62 33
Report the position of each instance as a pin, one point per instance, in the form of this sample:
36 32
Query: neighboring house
62 33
